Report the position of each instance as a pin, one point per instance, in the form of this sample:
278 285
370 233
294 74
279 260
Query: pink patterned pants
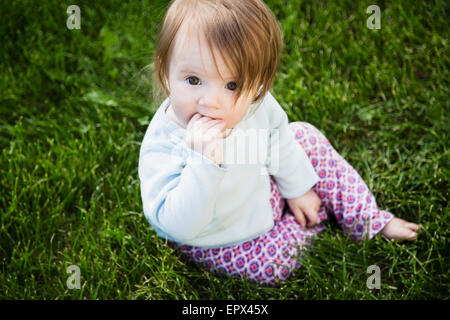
273 256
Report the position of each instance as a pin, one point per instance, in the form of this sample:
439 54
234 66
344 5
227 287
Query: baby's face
195 85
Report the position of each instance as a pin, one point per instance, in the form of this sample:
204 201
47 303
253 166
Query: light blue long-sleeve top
189 199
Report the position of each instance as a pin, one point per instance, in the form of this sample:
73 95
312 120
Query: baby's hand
202 134
305 207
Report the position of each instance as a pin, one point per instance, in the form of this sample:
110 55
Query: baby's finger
312 217
220 128
199 123
192 121
210 124
300 217
215 131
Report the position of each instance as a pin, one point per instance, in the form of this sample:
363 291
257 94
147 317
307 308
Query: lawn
75 104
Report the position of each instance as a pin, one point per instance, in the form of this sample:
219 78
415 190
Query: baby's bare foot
400 229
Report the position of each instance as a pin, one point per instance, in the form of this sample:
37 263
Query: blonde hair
246 32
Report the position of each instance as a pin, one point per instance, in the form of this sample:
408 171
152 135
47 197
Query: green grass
74 106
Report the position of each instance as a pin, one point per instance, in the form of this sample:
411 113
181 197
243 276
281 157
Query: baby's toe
412 236
412 226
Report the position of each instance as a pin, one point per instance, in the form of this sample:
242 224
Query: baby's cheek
230 124
183 111
235 119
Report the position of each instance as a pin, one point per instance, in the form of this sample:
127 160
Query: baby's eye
195 82
232 86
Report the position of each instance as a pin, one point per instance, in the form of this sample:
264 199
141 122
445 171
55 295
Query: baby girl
215 62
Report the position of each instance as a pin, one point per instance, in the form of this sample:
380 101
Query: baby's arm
294 173
178 194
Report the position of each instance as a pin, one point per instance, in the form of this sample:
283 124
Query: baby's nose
211 98
210 102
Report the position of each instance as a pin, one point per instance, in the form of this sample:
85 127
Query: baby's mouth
213 118
204 115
